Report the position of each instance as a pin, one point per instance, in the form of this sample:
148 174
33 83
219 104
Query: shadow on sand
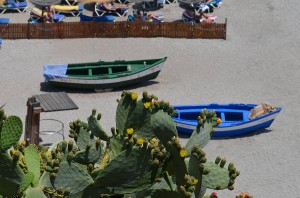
46 87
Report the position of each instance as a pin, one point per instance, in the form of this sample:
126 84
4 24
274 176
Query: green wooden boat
102 74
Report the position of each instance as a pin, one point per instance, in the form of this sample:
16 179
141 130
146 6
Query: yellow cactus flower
23 143
129 131
195 181
147 105
219 121
183 152
140 141
134 96
14 152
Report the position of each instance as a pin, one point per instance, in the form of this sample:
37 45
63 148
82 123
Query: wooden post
32 124
225 28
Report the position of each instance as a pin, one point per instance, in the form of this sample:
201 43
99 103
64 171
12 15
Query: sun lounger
4 20
106 18
71 2
74 10
36 15
171 1
108 8
208 7
19 6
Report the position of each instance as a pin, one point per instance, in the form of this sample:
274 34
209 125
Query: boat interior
228 116
102 68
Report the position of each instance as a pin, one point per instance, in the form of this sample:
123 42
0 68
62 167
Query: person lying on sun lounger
200 16
114 6
149 17
48 13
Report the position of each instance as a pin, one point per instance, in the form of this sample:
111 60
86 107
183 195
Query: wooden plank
45 103
56 102
69 104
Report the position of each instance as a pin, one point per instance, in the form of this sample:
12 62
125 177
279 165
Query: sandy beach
257 63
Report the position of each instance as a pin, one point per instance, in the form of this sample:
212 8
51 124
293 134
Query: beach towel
64 8
75 10
106 18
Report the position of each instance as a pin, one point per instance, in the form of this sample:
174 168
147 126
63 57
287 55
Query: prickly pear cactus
136 169
200 136
11 175
141 115
10 131
219 176
72 176
90 147
96 127
34 192
143 156
32 160
27 180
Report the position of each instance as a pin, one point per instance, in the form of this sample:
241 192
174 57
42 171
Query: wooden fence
122 29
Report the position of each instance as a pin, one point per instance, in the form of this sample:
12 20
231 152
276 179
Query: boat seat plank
222 116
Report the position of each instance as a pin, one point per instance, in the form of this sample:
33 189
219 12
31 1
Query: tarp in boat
261 109
55 71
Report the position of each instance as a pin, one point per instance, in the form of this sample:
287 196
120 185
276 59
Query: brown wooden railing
122 29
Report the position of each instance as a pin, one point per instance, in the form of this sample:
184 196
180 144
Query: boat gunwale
120 61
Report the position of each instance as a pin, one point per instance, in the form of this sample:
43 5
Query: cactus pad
11 175
71 175
218 178
133 114
90 156
11 132
163 126
45 180
129 168
84 138
27 180
200 136
96 128
34 192
32 160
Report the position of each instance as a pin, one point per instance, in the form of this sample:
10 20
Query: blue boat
235 118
